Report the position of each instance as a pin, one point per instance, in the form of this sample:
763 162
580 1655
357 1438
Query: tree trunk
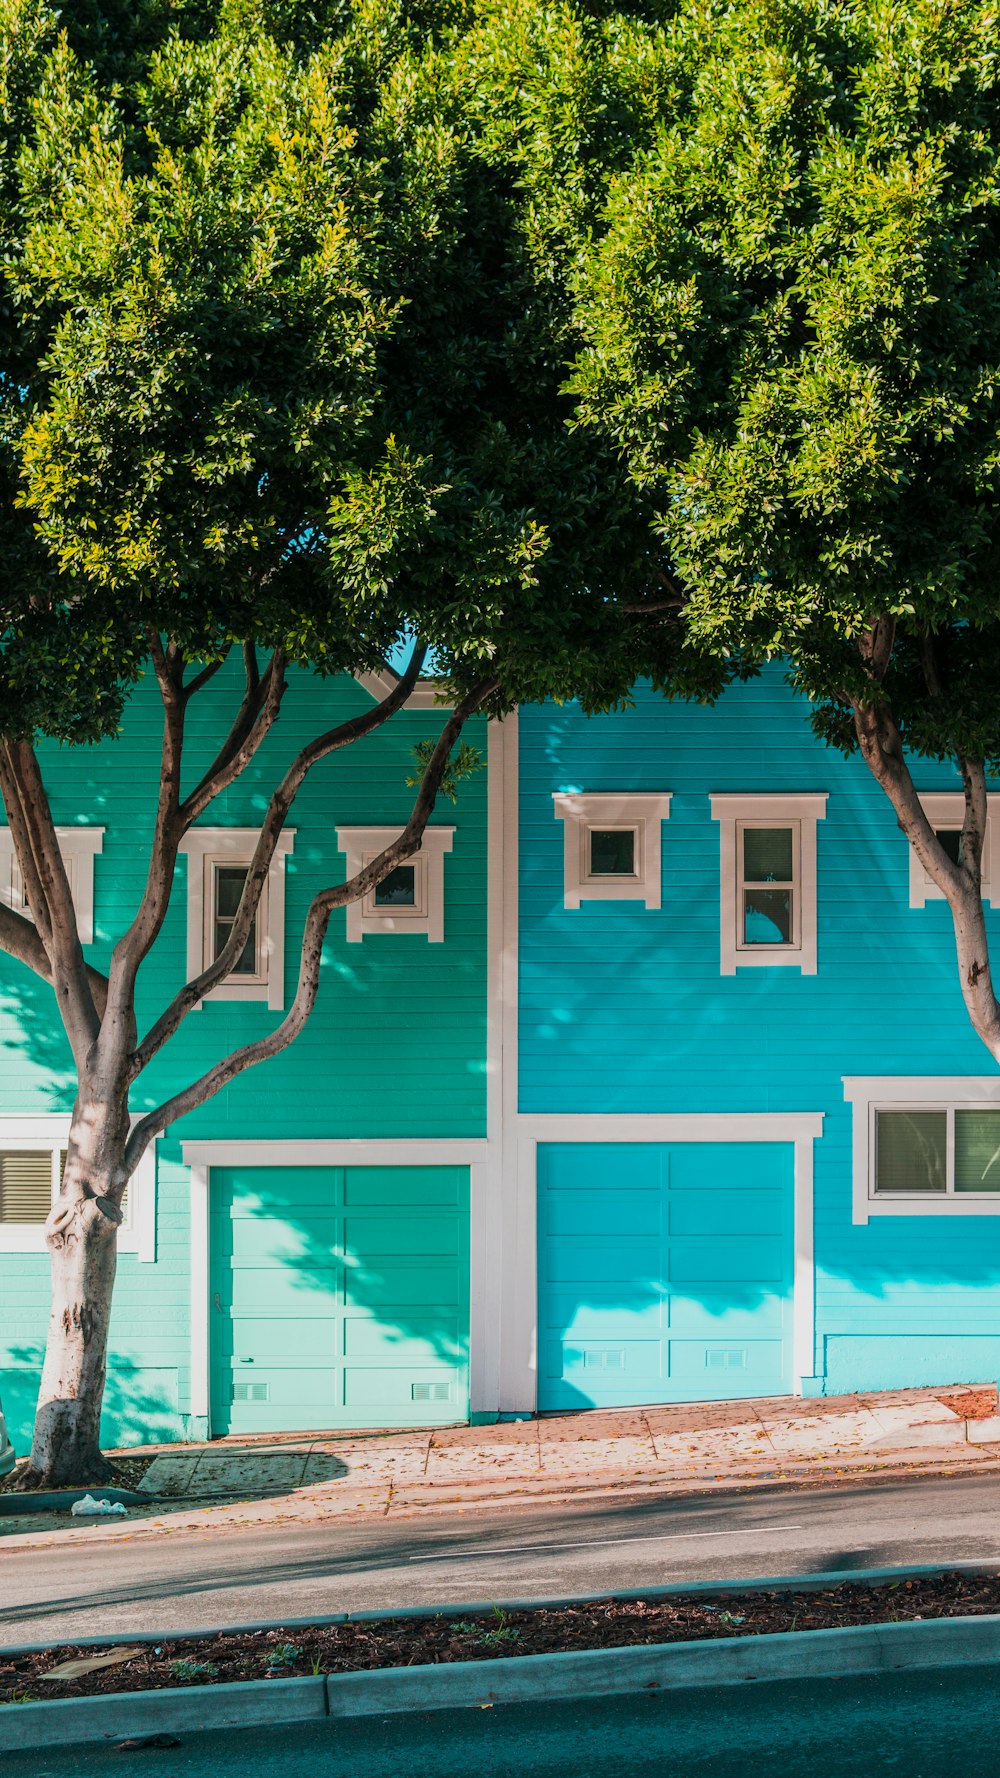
973 956
82 1238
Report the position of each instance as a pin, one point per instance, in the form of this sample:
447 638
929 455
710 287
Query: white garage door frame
519 1283
201 1157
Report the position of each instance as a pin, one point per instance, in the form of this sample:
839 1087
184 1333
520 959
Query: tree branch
44 872
314 932
253 721
344 735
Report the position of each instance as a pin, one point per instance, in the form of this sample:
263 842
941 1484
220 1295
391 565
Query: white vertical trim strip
200 1309
804 1286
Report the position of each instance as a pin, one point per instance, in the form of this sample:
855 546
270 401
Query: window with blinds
25 1186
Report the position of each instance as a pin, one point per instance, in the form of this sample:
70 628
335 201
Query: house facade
652 1083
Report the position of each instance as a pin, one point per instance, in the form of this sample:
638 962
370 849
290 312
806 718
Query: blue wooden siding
623 1008
395 1047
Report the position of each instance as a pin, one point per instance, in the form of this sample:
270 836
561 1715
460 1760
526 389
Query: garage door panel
601 1315
431 1234
573 1165
581 1213
737 1361
409 1187
694 1307
348 1307
727 1212
710 1315
605 1364
406 1339
607 1259
710 1166
748 1261
270 1241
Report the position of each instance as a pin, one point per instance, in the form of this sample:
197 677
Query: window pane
910 1151
229 881
950 838
767 916
977 1151
398 889
25 1187
767 855
246 964
612 852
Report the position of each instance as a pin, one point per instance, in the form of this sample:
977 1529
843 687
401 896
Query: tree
787 296
285 385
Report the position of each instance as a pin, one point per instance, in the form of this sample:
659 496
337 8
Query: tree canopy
779 221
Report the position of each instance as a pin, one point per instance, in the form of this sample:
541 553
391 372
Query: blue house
653 1085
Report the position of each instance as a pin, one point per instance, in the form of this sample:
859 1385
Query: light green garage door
339 1297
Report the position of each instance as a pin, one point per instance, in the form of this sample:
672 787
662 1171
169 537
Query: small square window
398 889
911 1151
613 851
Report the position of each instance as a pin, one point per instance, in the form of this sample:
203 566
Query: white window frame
583 811
800 811
946 809
361 845
869 1094
206 847
79 847
41 1132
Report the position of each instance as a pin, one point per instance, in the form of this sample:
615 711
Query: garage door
665 1272
339 1297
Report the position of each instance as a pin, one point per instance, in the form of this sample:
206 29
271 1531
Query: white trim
800 810
50 1130
488 1210
801 1128
201 1308
580 812
426 694
867 1094
205 846
79 847
362 844
348 1151
946 809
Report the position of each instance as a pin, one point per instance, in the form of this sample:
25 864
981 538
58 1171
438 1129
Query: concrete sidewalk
700 1446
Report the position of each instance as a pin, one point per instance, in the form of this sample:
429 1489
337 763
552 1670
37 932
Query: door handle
217 1302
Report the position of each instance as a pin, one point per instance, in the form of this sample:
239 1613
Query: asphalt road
183 1580
922 1725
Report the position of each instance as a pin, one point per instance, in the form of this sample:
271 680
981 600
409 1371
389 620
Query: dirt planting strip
362 1646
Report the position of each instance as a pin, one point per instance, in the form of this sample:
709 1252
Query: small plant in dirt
22 1698
283 1654
490 1636
192 1671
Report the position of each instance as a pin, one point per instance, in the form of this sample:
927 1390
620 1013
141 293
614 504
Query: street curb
547 1678
191 1708
61 1499
723 1589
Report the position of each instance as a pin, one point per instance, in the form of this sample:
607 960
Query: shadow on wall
140 1403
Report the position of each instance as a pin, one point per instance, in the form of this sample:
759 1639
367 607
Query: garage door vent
431 1392
251 1391
726 1358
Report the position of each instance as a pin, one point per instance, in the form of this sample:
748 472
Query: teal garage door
665 1272
339 1297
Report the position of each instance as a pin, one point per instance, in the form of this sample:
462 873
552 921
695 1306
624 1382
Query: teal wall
395 1047
623 1008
